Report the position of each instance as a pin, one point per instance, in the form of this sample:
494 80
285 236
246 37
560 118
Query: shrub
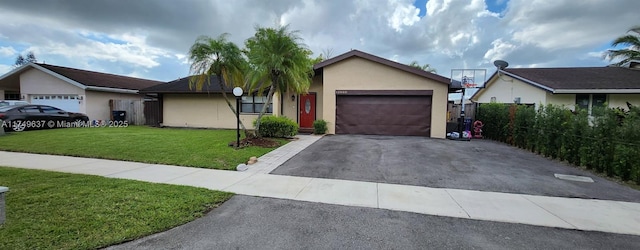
495 117
319 127
277 126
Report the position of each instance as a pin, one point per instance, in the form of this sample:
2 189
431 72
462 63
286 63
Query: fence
454 111
152 113
134 109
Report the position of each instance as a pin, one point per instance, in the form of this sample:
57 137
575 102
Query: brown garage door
383 114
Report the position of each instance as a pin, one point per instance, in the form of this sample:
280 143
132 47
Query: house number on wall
307 106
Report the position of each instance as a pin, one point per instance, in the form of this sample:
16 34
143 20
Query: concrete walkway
581 214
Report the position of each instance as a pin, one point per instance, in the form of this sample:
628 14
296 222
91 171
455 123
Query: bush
495 117
277 126
319 127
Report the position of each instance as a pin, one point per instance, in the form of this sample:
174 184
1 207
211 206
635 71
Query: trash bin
119 115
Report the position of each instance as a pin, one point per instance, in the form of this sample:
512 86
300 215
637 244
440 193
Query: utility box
2 204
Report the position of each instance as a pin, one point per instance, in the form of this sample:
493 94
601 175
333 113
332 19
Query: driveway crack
454 200
525 197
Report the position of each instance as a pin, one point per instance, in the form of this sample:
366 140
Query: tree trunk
272 89
224 94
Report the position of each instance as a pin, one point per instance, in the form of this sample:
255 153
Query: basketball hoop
470 85
468 82
463 79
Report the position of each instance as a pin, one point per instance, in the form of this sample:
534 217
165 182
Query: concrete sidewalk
581 214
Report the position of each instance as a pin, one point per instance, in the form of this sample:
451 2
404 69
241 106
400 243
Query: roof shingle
182 86
582 77
97 79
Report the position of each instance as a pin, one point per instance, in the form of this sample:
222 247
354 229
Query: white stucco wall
505 89
34 81
566 100
620 100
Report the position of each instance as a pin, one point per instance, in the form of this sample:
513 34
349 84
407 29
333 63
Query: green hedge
277 126
608 143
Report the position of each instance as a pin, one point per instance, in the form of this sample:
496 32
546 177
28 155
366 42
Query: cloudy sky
150 38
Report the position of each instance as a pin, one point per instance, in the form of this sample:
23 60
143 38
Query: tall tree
22 60
631 41
279 61
220 58
31 57
425 67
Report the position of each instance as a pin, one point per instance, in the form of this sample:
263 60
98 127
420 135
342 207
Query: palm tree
425 67
279 61
632 50
221 59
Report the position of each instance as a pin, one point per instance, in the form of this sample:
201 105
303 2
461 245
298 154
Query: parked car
30 117
5 103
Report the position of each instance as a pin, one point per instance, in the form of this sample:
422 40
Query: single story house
585 87
355 93
70 89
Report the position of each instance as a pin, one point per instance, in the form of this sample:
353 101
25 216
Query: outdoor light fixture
293 97
237 91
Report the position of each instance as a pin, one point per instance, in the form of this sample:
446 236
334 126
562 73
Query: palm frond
631 50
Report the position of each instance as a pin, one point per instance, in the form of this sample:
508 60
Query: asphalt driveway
481 165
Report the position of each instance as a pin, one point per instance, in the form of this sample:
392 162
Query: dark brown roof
400 66
97 79
581 78
182 86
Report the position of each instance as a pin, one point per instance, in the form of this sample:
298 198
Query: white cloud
152 38
405 14
5 69
500 50
135 52
7 51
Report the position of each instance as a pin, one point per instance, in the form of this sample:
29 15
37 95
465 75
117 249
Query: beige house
356 93
70 89
584 87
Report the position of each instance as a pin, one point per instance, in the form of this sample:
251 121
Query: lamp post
237 91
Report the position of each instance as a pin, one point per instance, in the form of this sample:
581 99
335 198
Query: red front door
307 110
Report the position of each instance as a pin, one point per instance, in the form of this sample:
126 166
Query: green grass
49 210
185 147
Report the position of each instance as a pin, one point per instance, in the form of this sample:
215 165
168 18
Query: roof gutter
596 91
113 90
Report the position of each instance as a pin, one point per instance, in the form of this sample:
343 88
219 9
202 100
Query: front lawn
173 146
50 210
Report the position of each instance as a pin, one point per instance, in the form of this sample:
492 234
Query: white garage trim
69 103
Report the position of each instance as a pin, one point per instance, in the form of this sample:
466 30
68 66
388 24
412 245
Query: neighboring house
356 93
182 106
70 89
585 87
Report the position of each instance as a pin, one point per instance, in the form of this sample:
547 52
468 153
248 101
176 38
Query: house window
254 104
593 103
11 96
